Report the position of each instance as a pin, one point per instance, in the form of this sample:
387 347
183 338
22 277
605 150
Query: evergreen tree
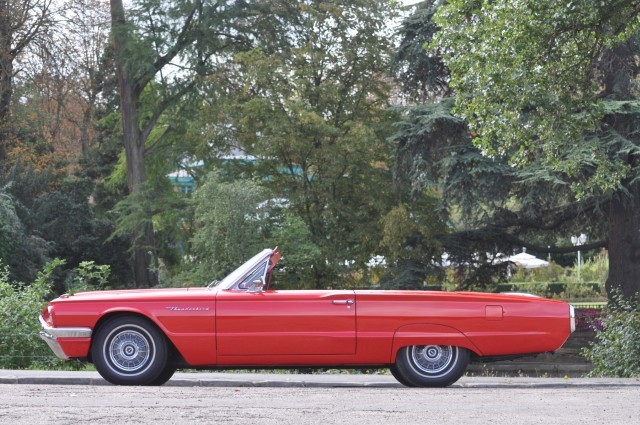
550 88
491 205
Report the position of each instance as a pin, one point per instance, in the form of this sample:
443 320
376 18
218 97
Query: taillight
47 314
572 315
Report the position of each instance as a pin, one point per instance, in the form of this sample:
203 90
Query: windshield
244 269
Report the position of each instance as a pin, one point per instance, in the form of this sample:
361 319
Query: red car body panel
75 347
321 328
281 323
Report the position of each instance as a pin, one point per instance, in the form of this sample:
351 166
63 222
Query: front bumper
71 338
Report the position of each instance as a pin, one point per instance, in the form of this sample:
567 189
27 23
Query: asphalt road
374 400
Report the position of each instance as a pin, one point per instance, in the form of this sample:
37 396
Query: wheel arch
173 351
429 334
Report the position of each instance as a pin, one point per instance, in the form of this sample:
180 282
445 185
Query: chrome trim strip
56 333
53 344
50 335
521 294
343 302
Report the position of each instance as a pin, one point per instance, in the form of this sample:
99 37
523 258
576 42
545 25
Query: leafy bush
553 273
88 276
616 349
583 291
20 344
595 269
589 319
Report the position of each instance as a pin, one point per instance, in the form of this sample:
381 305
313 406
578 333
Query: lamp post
577 241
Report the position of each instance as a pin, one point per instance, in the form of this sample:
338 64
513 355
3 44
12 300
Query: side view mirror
256 286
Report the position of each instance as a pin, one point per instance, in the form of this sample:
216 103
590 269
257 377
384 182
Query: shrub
553 273
595 269
582 290
88 276
616 348
20 344
589 319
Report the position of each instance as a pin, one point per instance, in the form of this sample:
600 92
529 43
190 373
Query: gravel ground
474 401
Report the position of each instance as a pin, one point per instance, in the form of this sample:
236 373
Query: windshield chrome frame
244 270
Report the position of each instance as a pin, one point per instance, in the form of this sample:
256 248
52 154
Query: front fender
429 334
193 335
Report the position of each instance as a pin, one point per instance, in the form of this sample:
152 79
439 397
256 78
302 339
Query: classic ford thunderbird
140 337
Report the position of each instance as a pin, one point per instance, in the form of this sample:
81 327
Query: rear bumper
66 342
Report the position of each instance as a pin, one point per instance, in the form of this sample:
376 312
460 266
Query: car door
285 322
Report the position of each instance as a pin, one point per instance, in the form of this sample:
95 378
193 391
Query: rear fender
429 334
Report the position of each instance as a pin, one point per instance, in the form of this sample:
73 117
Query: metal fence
596 305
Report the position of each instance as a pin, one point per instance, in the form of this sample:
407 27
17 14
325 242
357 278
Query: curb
274 380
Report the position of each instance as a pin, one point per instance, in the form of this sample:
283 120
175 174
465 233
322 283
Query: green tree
422 76
161 52
11 228
22 23
228 226
47 214
290 233
235 219
74 230
24 250
550 88
313 108
489 205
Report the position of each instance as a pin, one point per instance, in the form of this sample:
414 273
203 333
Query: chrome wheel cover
433 359
130 350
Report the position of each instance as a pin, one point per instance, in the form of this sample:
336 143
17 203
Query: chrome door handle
343 302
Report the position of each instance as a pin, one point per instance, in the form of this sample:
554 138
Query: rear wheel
396 374
130 350
431 365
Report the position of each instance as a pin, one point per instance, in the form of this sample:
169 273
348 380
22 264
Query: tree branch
163 106
497 236
148 150
183 39
34 30
557 249
556 220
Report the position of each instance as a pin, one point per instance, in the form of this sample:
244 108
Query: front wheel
130 350
431 365
166 374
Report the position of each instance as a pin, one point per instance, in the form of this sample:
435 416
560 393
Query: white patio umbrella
528 261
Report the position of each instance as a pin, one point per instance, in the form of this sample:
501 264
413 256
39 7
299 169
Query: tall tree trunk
84 128
6 91
620 70
624 244
144 248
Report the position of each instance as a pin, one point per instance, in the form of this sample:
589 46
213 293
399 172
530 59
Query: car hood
138 294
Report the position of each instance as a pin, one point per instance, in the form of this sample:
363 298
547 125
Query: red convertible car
140 337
